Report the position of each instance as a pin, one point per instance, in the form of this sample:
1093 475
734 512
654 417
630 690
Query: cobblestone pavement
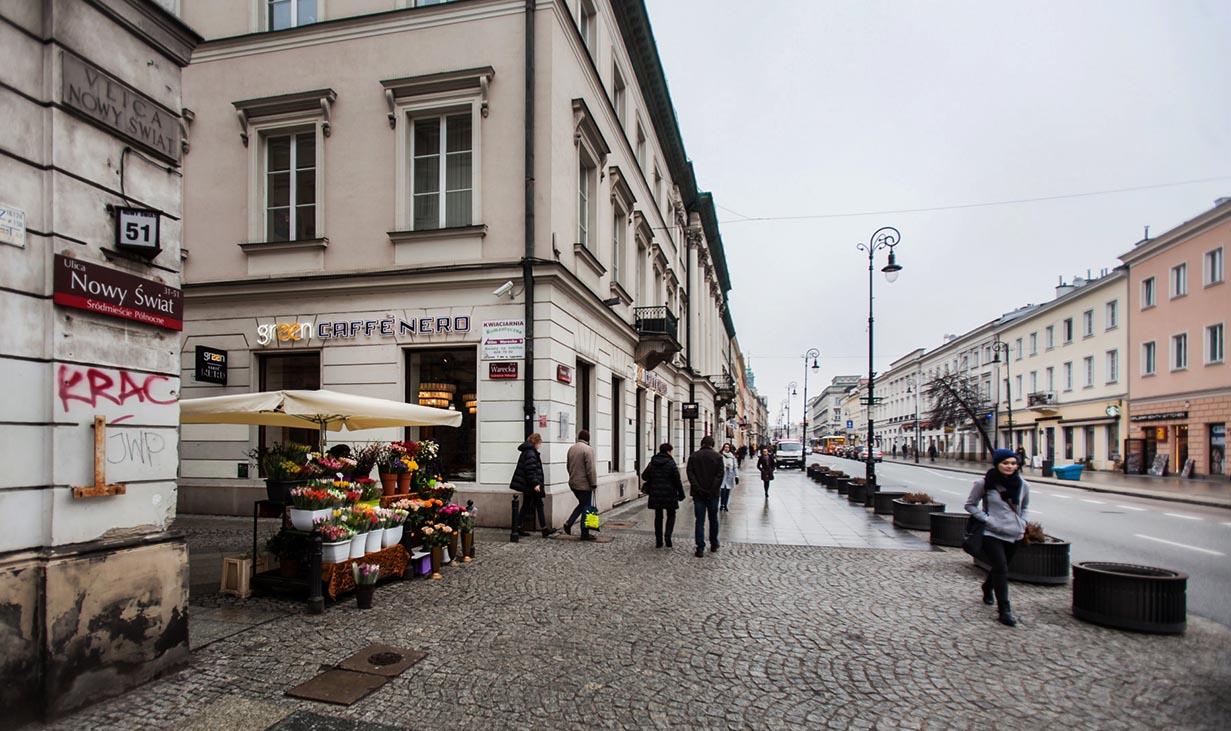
561 634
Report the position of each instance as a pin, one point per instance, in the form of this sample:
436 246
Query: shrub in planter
1040 558
913 511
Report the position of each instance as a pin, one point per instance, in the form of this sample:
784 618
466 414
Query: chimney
1062 288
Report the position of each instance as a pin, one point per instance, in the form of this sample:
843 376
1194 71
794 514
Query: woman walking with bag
730 475
999 501
663 485
528 480
765 463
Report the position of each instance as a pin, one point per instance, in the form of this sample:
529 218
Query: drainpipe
690 243
527 262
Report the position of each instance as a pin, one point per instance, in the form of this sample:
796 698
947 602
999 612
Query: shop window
446 378
283 371
1088 442
1068 444
1218 448
1113 442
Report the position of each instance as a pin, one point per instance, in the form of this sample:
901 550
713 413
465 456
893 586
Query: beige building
1179 385
471 198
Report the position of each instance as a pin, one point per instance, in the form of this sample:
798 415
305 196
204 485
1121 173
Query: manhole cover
383 660
341 687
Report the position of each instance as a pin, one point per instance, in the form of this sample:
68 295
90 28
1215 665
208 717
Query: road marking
947 477
1092 500
1180 545
1063 497
1035 512
951 492
1038 492
1130 507
1185 517
1226 523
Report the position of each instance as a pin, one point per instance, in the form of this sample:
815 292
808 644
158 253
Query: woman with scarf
1000 501
730 475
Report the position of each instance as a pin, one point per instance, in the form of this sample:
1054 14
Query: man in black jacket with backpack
705 471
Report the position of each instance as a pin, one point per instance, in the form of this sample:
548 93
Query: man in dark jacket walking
528 480
705 471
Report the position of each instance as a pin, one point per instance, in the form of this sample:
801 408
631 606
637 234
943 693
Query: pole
918 435
1008 392
870 471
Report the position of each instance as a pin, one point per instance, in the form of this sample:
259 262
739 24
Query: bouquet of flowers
465 521
369 489
281 462
363 519
398 458
437 534
426 450
450 515
365 574
310 497
332 532
334 465
366 458
393 517
438 489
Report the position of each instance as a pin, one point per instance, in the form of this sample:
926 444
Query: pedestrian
730 475
1000 500
528 480
1021 456
582 480
766 465
705 470
665 490
895 450
932 451
740 454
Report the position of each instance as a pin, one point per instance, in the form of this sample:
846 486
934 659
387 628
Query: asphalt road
1103 527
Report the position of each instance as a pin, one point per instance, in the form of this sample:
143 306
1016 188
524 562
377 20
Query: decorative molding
260 247
642 228
457 232
585 126
185 121
314 102
618 290
583 252
475 79
621 193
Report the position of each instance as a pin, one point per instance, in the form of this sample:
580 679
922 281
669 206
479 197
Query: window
1087 324
452 373
1017 345
618 93
1213 266
588 24
1018 396
1068 443
1148 354
1049 337
1087 433
658 184
1067 330
1087 366
1113 441
1214 343
282 14
1050 376
290 187
617 425
1068 375
1179 280
1147 292
587 175
442 162
1113 314
1179 351
1034 381
1034 343
640 147
1113 366
289 371
619 246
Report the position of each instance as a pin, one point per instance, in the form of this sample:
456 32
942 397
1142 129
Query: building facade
1179 385
478 200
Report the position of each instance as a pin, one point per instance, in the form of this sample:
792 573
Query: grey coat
999 520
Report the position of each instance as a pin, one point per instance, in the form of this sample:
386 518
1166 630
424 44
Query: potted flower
312 502
369 491
466 526
366 458
397 465
394 518
913 511
290 548
335 540
363 521
436 536
282 466
366 575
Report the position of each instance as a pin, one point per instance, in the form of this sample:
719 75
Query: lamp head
815 366
892 268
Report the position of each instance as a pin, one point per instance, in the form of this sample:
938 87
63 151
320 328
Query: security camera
502 290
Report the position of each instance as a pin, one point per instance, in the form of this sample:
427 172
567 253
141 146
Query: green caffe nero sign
89 91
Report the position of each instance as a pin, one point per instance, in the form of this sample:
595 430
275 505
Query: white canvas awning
312 410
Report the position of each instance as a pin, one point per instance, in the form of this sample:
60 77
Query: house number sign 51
136 230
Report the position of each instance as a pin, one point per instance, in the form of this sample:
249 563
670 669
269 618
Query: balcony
725 387
658 331
1041 398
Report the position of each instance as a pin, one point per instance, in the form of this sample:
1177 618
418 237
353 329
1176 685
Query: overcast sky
828 107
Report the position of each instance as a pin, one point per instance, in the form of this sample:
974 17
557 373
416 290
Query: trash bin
1069 472
1047 467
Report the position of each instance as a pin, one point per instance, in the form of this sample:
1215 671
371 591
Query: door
1049 444
638 461
1181 446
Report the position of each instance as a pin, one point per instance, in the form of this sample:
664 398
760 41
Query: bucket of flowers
313 501
366 575
282 465
366 458
364 522
369 491
335 539
436 536
451 515
394 518
465 524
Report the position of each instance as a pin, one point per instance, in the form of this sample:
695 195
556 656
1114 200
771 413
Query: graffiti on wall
119 394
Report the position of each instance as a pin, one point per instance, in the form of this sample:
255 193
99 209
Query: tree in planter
956 398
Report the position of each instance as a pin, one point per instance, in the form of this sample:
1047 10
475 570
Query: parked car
877 454
789 454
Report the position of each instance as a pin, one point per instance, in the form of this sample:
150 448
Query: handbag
973 543
590 520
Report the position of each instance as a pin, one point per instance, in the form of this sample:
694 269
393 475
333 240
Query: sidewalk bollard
470 509
513 536
316 602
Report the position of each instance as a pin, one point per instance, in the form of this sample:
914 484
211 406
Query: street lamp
812 353
886 237
997 344
914 387
790 391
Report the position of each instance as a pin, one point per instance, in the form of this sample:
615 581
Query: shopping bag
591 520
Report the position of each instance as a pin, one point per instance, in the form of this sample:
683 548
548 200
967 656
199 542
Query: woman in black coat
765 463
528 480
663 485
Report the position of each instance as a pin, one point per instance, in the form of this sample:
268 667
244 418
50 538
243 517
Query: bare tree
956 398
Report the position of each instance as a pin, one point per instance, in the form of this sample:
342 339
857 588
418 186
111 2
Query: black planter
915 516
1125 596
857 492
1038 563
948 529
882 502
843 484
279 491
363 595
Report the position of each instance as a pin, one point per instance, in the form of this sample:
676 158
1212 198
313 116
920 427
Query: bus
830 444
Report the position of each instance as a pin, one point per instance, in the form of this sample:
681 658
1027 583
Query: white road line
1180 545
948 477
1139 510
1037 492
1090 500
1063 497
1035 512
1226 523
951 492
1185 517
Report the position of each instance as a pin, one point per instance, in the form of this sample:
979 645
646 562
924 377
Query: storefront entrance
445 378
287 371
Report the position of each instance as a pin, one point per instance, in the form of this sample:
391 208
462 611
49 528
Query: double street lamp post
914 386
886 237
790 391
998 345
812 353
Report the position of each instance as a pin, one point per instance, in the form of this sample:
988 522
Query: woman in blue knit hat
1000 500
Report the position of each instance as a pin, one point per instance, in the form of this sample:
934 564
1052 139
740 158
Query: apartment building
1179 385
480 204
826 415
902 409
972 355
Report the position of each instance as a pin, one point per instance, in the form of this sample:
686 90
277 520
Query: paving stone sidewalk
561 634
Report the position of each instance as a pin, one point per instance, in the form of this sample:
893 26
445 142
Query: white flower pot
335 552
446 558
358 544
374 540
392 537
302 518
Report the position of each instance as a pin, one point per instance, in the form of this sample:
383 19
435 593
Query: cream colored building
384 197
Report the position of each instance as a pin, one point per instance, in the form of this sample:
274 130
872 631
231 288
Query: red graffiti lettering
102 386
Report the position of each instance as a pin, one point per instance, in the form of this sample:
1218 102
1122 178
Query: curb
1209 502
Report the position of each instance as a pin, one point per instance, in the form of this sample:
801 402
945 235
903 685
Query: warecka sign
85 286
94 93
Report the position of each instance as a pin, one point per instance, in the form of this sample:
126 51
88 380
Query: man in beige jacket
582 480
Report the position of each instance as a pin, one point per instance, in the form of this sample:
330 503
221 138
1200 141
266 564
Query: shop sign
211 365
291 332
564 374
12 226
690 410
85 286
1162 416
503 340
502 371
652 381
99 96
136 230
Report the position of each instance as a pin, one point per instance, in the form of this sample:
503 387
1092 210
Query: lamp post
997 344
886 237
914 386
790 391
812 353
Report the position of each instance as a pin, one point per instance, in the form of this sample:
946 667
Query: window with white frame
1087 324
587 23
619 245
1087 366
1017 344
442 170
1034 381
1049 337
640 147
1214 343
587 181
1149 355
1179 351
1113 366
1067 369
1067 330
1179 280
619 93
1213 266
1050 374
1018 394
1034 343
282 14
1113 315
290 186
1147 292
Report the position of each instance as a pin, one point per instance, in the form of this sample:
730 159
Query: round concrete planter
882 502
1038 563
1125 596
915 516
948 529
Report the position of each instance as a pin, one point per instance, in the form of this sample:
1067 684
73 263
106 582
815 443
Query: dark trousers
660 532
700 508
726 495
766 487
583 502
532 503
998 553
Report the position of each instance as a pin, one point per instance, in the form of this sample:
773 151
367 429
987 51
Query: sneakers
549 532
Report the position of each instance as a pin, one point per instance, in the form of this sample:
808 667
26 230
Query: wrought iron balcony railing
656 321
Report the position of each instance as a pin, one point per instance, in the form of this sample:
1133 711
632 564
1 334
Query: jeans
583 502
700 507
532 502
766 487
659 532
726 495
999 554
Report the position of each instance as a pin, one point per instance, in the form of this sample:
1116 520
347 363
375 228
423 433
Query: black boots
1007 618
987 595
